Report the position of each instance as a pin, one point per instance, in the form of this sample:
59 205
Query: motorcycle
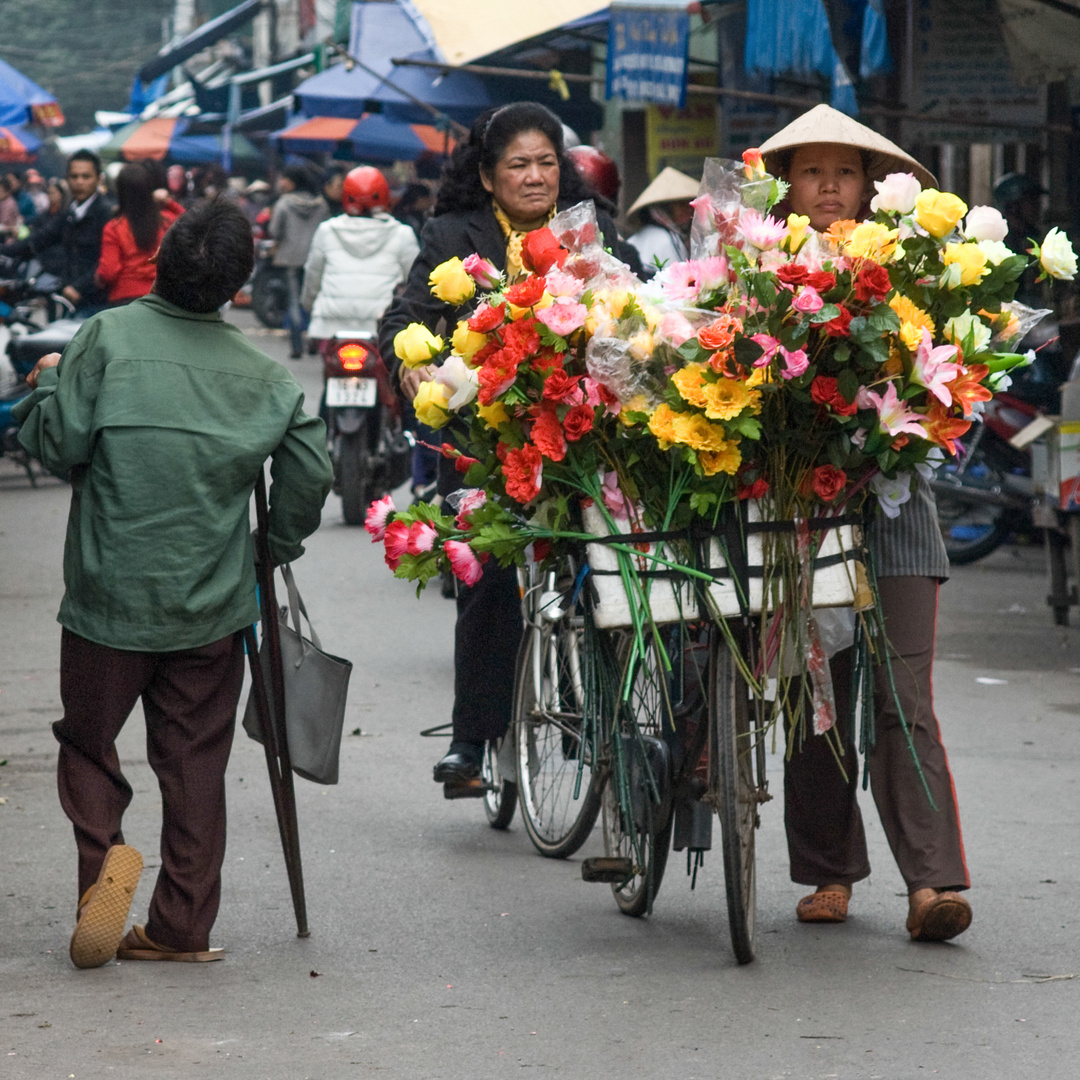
269 289
369 446
988 494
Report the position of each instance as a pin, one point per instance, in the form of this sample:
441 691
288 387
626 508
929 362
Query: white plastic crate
673 599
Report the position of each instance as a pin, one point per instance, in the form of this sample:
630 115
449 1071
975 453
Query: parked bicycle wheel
500 800
733 757
557 787
637 828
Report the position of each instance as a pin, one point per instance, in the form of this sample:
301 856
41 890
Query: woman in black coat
511 176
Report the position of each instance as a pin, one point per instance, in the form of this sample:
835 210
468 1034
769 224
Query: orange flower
839 232
942 428
719 334
966 388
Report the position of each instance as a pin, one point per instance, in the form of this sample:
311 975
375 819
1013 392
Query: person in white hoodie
357 260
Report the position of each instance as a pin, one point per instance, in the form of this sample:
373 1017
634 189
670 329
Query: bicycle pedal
470 789
611 869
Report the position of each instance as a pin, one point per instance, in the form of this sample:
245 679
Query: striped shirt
910 545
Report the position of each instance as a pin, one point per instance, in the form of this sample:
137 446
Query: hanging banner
647 54
681 138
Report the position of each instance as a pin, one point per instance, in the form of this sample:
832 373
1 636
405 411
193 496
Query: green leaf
550 338
747 351
883 319
847 383
829 311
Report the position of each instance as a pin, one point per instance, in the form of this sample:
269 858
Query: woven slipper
940 918
822 907
104 909
137 946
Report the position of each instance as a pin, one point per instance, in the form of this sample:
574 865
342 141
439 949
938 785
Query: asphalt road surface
441 949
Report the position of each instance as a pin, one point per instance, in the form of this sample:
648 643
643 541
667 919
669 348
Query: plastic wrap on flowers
577 230
630 374
717 207
1019 320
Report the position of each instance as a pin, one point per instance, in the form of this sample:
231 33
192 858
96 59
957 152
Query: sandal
939 918
137 946
823 907
104 908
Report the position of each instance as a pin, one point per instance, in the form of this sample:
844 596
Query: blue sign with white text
647 54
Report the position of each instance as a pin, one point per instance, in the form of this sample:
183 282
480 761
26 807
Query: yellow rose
416 345
871 241
913 321
726 460
690 382
493 415
523 312
965 264
725 399
797 225
938 212
432 404
450 283
467 343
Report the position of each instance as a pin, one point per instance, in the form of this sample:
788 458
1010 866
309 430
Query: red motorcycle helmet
365 190
597 170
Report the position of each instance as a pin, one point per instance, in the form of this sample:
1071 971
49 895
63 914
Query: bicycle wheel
636 828
557 788
732 780
500 800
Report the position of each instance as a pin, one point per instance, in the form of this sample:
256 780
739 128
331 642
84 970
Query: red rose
821 280
872 282
547 433
541 549
828 482
521 337
757 490
839 326
792 274
526 293
578 421
540 251
487 318
523 471
562 387
823 389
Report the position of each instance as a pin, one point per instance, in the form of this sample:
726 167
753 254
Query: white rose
891 494
995 251
985 223
1057 256
958 328
896 193
460 380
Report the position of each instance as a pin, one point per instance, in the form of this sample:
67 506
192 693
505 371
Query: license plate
345 393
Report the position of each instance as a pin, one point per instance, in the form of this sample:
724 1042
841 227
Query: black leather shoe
455 768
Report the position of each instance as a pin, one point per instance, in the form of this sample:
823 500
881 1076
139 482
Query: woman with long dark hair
130 241
510 176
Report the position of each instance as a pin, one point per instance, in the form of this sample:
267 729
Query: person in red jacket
131 239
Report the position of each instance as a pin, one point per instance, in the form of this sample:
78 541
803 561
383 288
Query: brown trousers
826 841
190 700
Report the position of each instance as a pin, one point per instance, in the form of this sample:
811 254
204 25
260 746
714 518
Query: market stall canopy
18 144
168 138
371 138
1043 39
492 24
22 101
381 32
177 52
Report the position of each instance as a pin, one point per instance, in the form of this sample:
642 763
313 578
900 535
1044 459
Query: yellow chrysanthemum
726 460
690 382
725 399
693 430
758 377
913 321
662 425
871 241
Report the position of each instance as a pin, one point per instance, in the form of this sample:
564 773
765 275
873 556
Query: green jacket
164 419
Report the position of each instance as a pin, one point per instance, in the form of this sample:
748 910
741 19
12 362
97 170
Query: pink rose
675 329
466 566
483 272
808 300
564 316
396 542
769 344
421 538
378 512
795 363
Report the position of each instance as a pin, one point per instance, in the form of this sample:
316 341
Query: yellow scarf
514 237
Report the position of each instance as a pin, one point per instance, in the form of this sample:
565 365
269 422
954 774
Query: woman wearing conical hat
666 215
831 162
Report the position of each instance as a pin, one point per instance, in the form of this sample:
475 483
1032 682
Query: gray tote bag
315 687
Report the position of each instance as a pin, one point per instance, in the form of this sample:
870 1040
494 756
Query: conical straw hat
823 124
670 186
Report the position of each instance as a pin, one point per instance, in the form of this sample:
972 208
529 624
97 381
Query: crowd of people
163 261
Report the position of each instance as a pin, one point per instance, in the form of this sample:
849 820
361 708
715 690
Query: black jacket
461 234
73 247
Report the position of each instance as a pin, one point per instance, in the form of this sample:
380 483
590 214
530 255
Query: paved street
441 949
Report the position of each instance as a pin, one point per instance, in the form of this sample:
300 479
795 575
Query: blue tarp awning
20 96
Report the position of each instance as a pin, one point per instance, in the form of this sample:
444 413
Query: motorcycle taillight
352 356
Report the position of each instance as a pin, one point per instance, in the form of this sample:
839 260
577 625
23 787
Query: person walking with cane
163 415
